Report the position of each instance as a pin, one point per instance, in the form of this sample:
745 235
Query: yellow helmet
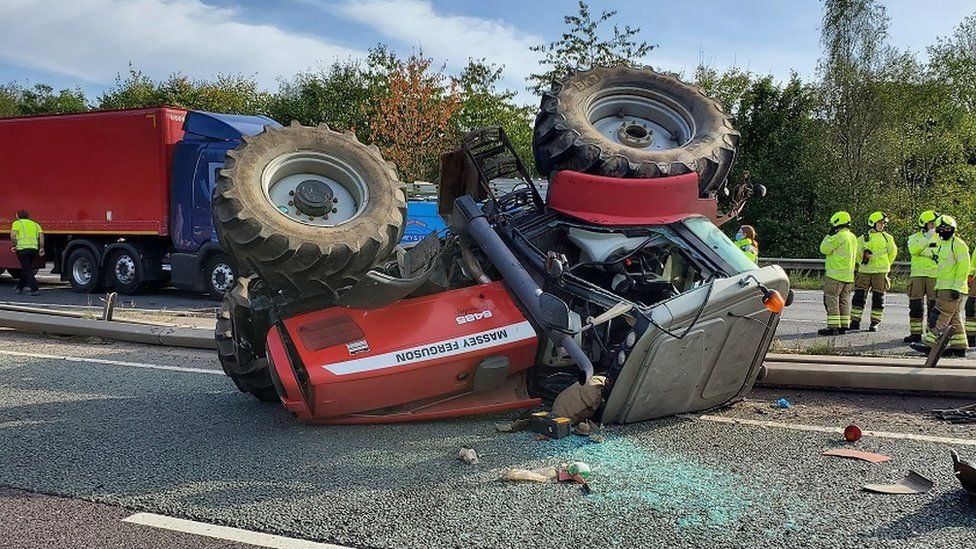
926 217
840 219
946 221
875 217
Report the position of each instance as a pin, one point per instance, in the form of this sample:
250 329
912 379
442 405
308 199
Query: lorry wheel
309 209
83 271
627 122
219 275
125 272
250 373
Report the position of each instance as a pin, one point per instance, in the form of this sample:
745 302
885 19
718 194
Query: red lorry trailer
123 196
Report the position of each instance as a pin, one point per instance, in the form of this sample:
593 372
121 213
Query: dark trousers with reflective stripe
877 284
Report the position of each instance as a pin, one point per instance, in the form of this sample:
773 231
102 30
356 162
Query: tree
586 44
223 93
777 148
727 88
40 99
344 96
483 104
857 62
412 120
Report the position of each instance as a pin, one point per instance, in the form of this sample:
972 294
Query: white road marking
113 362
824 429
225 532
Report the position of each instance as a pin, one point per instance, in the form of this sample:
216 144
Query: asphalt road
182 442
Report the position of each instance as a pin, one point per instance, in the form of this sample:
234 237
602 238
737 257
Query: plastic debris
544 474
913 483
782 403
468 455
852 433
579 468
513 427
965 471
857 454
598 439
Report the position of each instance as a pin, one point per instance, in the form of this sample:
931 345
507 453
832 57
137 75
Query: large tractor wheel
308 209
627 122
239 356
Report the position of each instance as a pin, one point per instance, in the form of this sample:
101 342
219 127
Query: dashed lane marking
225 532
113 362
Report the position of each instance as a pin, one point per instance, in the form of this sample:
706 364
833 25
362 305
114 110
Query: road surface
160 430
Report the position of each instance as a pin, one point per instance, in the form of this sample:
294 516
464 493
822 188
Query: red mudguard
417 359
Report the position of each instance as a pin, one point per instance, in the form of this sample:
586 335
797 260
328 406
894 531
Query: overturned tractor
619 271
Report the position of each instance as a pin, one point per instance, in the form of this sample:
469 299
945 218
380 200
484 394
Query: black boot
873 328
921 347
971 340
913 338
955 353
855 325
829 331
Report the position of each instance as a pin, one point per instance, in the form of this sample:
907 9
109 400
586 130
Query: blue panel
422 219
224 126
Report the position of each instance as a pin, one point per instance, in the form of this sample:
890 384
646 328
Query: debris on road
468 455
515 426
852 433
965 471
963 414
550 425
782 403
543 474
857 454
913 483
580 402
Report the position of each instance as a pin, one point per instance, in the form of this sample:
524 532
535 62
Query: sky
87 43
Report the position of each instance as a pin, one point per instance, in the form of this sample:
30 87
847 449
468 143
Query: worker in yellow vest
921 285
28 244
952 273
840 248
745 239
876 251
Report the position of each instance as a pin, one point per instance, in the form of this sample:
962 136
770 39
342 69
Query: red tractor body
453 353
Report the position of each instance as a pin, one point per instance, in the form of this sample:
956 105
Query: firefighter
951 278
745 239
840 247
921 285
876 251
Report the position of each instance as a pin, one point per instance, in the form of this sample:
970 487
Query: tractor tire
628 122
250 373
308 209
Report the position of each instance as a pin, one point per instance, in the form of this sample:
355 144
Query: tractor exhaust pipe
469 217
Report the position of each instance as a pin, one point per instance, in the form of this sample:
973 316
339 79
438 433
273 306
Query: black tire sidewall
93 284
135 285
209 265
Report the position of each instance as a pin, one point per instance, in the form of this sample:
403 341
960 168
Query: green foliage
40 99
223 93
483 104
586 44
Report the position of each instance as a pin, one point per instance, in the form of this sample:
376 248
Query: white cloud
95 39
450 39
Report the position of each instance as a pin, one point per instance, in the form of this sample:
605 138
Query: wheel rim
125 269
81 271
640 119
314 188
222 278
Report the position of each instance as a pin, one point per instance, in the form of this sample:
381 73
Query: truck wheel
125 272
219 275
309 209
83 271
250 373
627 122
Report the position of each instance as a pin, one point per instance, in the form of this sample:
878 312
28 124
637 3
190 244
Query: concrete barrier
851 377
122 331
